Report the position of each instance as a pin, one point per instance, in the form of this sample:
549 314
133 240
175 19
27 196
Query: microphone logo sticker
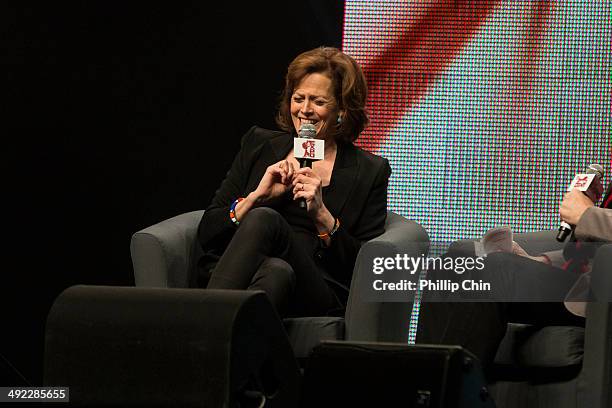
581 182
309 147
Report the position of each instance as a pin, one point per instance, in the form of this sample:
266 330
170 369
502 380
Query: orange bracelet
333 230
232 211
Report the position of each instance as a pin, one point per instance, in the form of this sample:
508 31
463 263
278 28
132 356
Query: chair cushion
543 347
307 332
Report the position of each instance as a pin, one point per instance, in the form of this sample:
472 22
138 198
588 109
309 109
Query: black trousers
480 325
265 254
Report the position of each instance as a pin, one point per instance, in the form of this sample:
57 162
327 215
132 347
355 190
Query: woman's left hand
308 185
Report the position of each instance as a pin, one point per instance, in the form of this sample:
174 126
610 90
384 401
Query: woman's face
312 102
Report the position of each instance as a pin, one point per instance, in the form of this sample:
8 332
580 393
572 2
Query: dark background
117 116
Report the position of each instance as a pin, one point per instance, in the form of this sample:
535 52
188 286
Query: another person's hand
275 181
574 204
518 250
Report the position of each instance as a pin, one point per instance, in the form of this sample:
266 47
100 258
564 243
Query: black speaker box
126 346
363 374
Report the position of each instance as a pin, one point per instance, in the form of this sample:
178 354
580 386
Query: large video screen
485 109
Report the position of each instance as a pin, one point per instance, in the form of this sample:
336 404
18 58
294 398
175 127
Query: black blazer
358 198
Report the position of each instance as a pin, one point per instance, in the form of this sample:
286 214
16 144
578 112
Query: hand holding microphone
574 204
584 191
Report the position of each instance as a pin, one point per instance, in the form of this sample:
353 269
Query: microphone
307 131
306 149
590 184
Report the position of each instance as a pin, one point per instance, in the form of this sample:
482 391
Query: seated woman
254 233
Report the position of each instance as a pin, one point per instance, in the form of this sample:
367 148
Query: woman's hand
574 204
275 181
308 185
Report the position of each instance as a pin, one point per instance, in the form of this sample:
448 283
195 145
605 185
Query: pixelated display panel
485 109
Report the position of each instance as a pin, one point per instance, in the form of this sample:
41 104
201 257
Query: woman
254 234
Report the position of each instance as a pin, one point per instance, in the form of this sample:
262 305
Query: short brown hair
349 88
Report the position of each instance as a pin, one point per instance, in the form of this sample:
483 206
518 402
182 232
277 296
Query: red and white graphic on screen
415 53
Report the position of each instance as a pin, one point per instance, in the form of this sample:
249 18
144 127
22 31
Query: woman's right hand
275 181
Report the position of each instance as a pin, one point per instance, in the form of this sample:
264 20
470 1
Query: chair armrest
383 321
595 387
162 254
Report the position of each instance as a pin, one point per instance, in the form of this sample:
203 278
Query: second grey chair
558 366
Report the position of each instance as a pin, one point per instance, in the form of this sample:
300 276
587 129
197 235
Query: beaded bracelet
232 211
333 230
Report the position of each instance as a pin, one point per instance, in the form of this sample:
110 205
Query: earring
339 120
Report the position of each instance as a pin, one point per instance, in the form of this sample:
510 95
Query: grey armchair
559 366
164 255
